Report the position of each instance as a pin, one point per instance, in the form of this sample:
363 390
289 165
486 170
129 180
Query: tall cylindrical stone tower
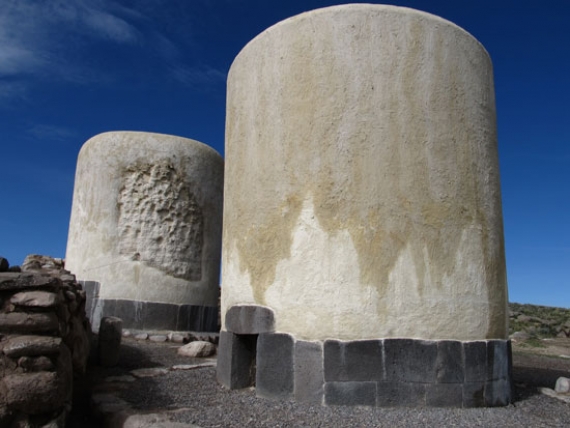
145 230
363 240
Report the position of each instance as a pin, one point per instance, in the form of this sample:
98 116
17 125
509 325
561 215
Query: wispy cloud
51 133
107 26
17 59
56 40
198 75
35 36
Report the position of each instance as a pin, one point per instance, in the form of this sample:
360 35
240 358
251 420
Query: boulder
197 349
562 385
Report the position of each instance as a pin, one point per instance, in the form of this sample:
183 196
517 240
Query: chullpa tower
145 230
363 253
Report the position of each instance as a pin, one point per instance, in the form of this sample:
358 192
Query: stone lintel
250 319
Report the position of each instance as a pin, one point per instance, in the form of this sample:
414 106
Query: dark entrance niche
237 360
249 345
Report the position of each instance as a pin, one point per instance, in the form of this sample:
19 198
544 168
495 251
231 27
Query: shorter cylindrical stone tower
363 257
145 230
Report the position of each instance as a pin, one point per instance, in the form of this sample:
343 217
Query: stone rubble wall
44 342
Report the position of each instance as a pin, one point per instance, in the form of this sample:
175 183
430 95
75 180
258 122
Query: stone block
444 395
236 360
474 394
409 360
308 372
25 323
398 394
110 333
497 360
182 319
202 318
91 289
10 281
498 393
35 364
159 316
359 360
31 346
35 299
350 393
475 357
33 393
130 311
108 307
449 362
208 321
274 373
250 319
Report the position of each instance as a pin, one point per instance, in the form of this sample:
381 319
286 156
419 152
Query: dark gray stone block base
156 316
382 373
274 372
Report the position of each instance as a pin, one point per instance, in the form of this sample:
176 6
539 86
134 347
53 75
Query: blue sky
70 69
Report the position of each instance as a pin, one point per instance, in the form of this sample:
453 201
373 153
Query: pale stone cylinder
362 194
145 228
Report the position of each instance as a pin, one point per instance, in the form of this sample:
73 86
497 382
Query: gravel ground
194 397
